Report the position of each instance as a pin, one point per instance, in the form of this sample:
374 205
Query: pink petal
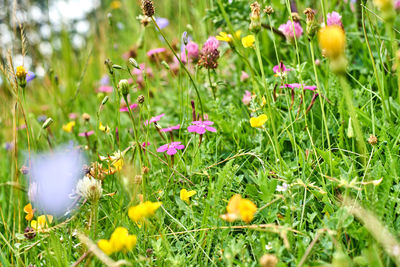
162 148
171 151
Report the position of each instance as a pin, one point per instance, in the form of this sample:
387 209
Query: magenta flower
192 50
287 30
72 116
144 144
200 127
104 89
171 148
211 44
298 85
155 51
334 18
125 109
154 119
171 128
397 5
86 134
246 98
280 69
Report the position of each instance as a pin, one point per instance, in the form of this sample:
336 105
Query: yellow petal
105 246
34 224
233 204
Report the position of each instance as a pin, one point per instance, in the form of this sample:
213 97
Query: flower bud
268 260
268 10
47 123
255 22
165 64
133 62
123 85
105 100
185 38
117 67
21 75
312 25
140 99
372 140
86 117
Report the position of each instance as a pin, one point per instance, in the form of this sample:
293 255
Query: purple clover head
201 127
171 148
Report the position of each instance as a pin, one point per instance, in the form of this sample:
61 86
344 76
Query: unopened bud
372 140
133 62
140 99
185 38
268 260
165 64
145 170
86 117
47 123
123 85
268 10
118 67
105 100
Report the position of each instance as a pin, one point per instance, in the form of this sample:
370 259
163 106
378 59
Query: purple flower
298 85
280 69
125 109
155 51
200 127
246 98
86 134
104 89
209 53
30 76
144 144
8 146
287 30
282 188
193 51
171 148
162 22
154 119
171 128
334 18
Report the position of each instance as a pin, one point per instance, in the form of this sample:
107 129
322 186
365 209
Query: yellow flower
28 209
41 222
248 41
185 195
239 207
383 4
103 128
247 209
332 41
118 164
21 72
115 4
120 240
226 37
143 210
69 126
258 122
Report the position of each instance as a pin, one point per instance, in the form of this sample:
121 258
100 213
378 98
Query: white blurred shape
53 179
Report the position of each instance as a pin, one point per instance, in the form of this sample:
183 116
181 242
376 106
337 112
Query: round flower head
287 29
332 41
89 188
334 18
193 51
209 54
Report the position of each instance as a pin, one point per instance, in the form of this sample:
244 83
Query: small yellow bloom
69 126
332 41
115 4
21 72
143 210
120 240
383 4
248 41
28 209
258 122
226 37
41 222
239 207
247 209
103 128
185 195
118 164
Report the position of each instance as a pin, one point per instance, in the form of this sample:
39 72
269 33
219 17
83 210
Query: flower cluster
291 29
209 54
239 208
120 240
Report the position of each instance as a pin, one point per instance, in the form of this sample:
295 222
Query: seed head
373 140
148 8
140 99
268 10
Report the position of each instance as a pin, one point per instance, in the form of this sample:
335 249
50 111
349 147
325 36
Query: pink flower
334 18
154 119
209 54
171 148
144 144
72 116
246 98
287 29
211 44
397 5
86 134
244 76
155 51
280 69
171 128
125 109
298 85
193 51
104 89
200 127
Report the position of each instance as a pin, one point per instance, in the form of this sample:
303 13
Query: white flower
282 188
89 188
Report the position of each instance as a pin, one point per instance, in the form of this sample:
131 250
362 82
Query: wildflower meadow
200 133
